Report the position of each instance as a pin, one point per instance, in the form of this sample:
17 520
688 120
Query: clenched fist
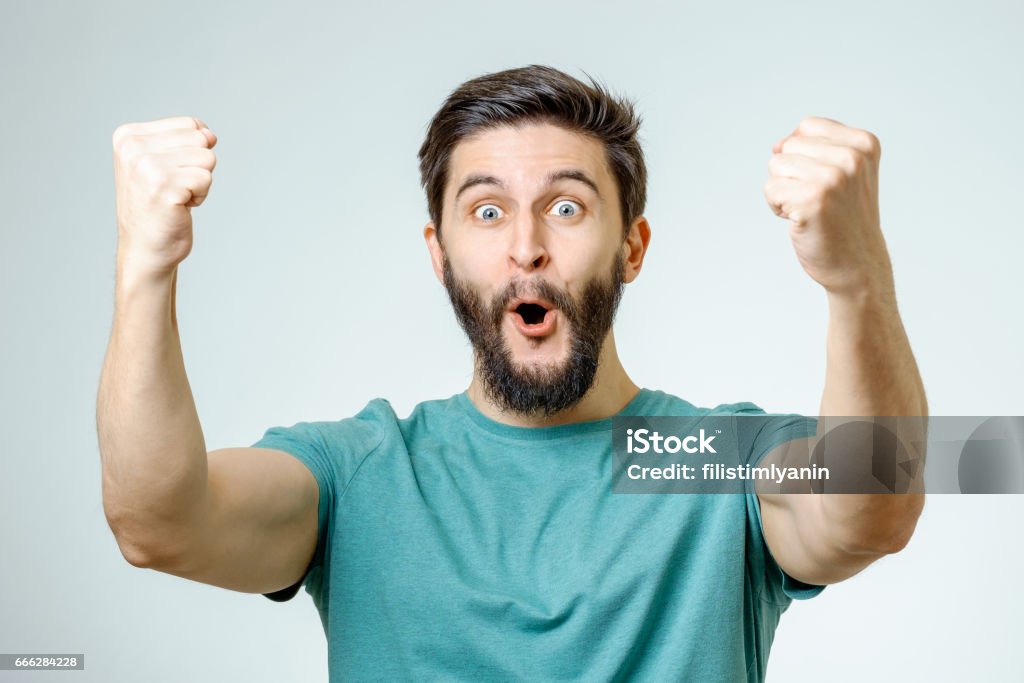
162 169
823 177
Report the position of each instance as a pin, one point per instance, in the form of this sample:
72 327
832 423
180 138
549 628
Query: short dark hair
537 94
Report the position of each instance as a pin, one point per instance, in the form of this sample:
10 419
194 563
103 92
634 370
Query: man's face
533 265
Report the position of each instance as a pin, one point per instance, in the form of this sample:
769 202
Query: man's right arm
240 518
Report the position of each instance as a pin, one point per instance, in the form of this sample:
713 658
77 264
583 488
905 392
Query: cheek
477 258
585 260
475 267
473 271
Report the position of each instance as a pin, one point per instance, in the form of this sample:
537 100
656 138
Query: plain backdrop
309 290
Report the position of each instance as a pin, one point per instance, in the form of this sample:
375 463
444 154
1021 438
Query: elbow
133 543
876 545
145 553
134 554
894 542
892 538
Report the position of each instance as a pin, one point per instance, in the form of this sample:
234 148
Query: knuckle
833 176
123 143
870 142
143 164
129 147
852 160
123 131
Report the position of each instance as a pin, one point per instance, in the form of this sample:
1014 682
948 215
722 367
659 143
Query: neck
611 391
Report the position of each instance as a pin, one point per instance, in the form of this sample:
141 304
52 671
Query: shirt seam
475 421
536 441
348 484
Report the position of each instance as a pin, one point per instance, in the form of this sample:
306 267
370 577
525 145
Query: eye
567 208
487 212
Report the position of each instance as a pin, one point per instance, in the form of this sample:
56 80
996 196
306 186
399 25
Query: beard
541 389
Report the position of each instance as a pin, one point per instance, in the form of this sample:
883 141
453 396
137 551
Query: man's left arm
824 179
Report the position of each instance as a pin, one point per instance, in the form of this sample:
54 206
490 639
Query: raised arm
239 518
824 179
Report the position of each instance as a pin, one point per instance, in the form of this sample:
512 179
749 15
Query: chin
540 355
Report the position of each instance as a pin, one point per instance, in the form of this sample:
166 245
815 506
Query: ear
635 247
436 252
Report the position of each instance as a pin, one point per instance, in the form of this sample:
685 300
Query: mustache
541 289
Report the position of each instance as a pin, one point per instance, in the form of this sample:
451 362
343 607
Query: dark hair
537 94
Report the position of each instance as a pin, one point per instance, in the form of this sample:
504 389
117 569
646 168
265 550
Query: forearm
870 368
150 440
871 371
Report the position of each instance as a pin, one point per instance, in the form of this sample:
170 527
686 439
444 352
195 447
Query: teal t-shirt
454 547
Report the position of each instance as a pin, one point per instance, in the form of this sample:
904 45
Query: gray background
309 289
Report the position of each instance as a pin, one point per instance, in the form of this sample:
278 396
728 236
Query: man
479 538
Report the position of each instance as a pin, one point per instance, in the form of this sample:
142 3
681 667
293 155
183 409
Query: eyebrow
552 178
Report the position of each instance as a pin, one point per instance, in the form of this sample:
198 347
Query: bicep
796 530
257 528
801 545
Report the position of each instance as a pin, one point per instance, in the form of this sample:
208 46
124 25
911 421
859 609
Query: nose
527 250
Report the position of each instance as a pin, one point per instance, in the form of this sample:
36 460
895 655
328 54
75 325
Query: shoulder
360 433
660 402
378 422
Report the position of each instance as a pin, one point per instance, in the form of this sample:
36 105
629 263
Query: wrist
135 271
866 293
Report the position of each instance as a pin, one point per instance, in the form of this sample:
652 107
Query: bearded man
479 538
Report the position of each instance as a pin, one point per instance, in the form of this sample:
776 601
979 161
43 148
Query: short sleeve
333 451
758 437
305 442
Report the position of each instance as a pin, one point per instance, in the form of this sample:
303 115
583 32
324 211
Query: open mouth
531 313
533 318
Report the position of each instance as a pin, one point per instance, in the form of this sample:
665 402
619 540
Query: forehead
524 155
